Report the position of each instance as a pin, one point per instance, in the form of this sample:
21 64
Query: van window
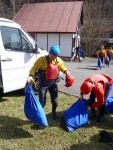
15 40
26 45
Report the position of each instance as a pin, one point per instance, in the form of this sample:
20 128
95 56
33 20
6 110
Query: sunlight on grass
18 133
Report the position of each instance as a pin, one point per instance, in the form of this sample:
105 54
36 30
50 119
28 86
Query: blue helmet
55 50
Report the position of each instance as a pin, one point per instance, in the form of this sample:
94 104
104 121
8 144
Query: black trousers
92 100
53 90
109 55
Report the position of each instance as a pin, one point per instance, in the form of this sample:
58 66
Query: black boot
92 116
37 126
100 119
54 114
101 114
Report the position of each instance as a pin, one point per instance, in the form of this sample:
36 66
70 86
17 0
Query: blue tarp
33 109
76 115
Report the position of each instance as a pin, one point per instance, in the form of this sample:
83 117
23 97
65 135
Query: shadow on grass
94 143
10 128
106 124
2 99
16 93
60 122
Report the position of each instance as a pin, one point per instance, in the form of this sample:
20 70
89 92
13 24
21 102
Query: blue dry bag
33 109
76 115
99 63
109 100
109 104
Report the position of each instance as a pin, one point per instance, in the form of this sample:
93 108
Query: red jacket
100 86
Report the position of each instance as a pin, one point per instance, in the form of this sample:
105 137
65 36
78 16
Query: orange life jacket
108 52
51 71
101 53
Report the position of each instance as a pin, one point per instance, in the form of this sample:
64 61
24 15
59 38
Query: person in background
47 67
109 53
98 86
106 61
101 53
72 55
76 52
82 53
112 52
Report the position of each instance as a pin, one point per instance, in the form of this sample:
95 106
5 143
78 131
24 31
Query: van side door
17 58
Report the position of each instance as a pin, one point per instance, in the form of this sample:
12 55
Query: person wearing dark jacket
98 86
48 68
76 50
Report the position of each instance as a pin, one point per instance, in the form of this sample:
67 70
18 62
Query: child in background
101 53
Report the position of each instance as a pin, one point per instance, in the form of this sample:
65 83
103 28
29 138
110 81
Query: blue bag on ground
109 100
109 104
76 115
33 109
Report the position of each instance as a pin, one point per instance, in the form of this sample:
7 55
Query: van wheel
36 86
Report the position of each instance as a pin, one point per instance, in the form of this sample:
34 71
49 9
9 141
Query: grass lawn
18 133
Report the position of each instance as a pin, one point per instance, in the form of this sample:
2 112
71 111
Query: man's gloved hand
81 97
30 79
67 73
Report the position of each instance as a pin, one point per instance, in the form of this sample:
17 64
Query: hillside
98 23
97 19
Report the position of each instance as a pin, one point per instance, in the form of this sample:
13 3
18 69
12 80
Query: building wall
66 45
63 40
41 39
53 39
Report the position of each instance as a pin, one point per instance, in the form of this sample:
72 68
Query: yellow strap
33 81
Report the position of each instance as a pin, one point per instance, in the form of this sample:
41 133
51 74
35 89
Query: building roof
50 17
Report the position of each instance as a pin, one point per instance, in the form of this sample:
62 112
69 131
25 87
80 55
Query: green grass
18 133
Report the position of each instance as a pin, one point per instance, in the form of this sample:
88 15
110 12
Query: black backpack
105 136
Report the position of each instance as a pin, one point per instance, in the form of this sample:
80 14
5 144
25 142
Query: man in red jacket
98 86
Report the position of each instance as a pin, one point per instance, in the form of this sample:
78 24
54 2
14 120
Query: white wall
42 40
53 39
66 44
63 40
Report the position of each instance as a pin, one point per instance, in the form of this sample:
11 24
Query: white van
18 52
